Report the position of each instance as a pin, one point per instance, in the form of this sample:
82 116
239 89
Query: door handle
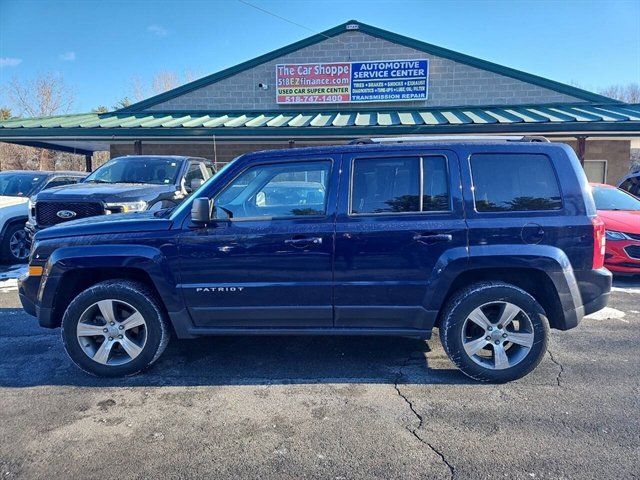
299 242
432 237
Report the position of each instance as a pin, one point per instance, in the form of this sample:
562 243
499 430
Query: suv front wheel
115 328
494 332
15 245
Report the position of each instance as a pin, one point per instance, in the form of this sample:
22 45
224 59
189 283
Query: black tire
464 302
7 255
135 294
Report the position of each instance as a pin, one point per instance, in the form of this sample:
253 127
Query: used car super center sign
379 81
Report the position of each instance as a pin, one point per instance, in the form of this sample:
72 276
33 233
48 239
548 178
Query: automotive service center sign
356 82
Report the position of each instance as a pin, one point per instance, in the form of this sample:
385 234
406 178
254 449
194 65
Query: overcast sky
100 46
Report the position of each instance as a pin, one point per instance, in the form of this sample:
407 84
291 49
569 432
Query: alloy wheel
497 335
18 245
112 332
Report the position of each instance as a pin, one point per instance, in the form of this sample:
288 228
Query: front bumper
28 287
28 305
31 230
619 258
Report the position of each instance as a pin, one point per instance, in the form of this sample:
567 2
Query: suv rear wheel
494 332
115 328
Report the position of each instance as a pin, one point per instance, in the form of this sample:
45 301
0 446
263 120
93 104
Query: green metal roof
575 117
382 34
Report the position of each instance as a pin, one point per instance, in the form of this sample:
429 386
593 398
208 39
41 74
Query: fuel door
532 233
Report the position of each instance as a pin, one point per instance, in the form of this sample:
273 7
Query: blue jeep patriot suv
493 241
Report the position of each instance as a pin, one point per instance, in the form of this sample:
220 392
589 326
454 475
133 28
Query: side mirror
196 183
201 211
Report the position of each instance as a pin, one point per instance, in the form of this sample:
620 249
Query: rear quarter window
514 183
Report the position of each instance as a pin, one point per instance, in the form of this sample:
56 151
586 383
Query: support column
582 148
87 162
137 147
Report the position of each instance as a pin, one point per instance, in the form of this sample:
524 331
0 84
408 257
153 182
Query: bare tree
137 89
161 82
629 93
18 157
164 81
45 96
191 75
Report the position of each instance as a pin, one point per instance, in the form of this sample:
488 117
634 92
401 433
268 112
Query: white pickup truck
16 186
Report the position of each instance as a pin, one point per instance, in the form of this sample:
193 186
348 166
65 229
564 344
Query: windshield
20 184
158 171
614 199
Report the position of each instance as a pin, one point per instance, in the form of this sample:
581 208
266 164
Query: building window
596 170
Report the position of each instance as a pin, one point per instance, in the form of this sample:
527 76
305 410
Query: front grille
47 212
633 251
635 236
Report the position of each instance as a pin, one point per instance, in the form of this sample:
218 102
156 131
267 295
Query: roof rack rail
449 138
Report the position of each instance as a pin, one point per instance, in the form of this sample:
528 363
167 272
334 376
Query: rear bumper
596 304
595 289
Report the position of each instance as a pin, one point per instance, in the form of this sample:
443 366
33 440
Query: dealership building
349 82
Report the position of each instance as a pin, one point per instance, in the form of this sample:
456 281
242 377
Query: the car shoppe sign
380 81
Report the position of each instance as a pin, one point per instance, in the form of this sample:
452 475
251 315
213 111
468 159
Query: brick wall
450 83
617 153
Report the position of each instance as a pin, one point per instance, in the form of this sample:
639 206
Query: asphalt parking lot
306 407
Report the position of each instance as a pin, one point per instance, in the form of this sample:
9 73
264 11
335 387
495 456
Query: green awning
554 118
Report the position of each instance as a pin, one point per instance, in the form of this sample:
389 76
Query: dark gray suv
122 185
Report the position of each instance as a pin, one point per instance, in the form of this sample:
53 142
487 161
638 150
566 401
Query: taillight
599 240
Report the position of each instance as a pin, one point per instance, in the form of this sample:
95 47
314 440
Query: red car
620 212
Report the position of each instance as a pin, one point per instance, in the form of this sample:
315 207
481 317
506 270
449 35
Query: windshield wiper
96 181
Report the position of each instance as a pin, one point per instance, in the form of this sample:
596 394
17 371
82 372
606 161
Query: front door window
276 191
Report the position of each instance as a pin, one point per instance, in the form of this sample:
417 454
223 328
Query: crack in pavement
414 431
558 379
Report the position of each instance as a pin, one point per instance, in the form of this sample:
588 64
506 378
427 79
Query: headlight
31 205
611 235
126 207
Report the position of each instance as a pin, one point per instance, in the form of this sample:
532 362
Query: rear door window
514 182
399 185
